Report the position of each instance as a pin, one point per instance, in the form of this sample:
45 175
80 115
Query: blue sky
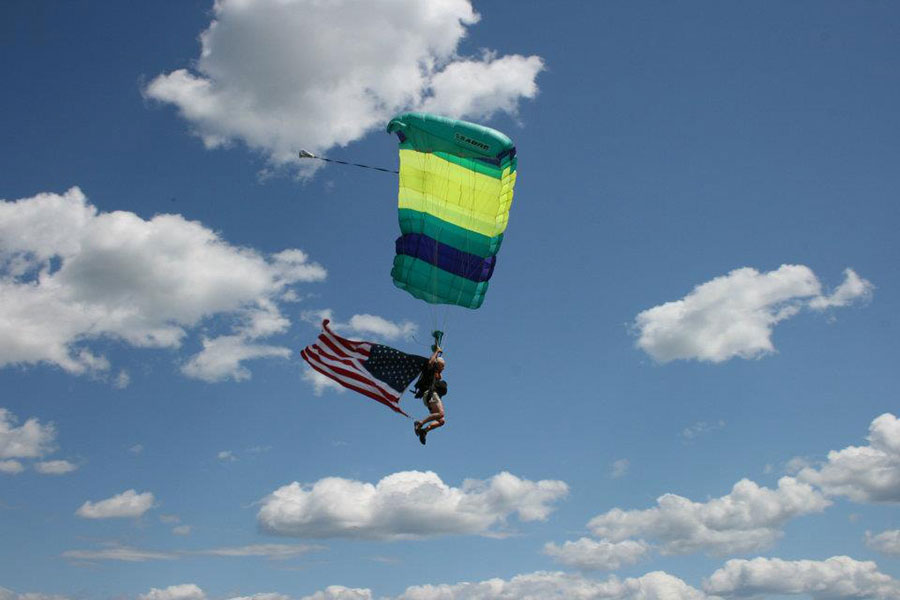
682 383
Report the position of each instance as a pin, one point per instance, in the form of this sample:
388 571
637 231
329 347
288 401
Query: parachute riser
438 337
307 154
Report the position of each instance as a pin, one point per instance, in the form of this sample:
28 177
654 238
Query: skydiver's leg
436 418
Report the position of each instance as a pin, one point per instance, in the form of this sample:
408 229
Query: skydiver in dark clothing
431 387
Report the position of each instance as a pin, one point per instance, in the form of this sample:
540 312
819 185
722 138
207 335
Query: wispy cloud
128 504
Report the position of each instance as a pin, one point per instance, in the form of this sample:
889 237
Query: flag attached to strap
380 372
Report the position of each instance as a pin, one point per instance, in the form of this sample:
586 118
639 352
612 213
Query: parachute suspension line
307 154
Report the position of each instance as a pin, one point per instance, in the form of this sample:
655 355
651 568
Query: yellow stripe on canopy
455 194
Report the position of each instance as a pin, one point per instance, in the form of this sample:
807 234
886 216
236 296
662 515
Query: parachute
456 188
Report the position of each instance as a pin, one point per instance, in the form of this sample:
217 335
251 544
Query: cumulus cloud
886 542
128 504
831 579
405 505
749 518
863 473
561 586
734 315
71 275
55 467
598 555
185 591
29 440
280 76
339 592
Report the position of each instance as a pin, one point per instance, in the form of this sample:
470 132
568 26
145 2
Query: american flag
378 371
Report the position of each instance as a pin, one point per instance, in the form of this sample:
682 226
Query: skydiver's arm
435 355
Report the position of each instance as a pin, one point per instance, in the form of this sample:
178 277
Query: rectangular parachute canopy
456 189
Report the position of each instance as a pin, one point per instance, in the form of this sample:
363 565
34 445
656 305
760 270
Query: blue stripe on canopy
448 258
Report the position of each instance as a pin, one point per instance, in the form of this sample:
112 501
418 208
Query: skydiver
431 387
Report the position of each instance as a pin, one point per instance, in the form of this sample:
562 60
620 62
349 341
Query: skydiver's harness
428 384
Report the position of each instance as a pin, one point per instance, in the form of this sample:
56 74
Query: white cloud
657 585
749 518
11 467
619 468
55 467
734 315
122 380
863 473
339 592
478 88
374 325
272 551
405 505
136 449
320 382
699 428
280 76
221 358
886 542
128 504
6 594
226 456
831 579
70 275
362 325
186 591
268 596
119 553
852 289
30 440
598 555
129 554
181 530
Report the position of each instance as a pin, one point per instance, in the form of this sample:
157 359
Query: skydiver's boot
422 434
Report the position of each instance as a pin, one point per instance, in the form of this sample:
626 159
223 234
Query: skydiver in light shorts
431 387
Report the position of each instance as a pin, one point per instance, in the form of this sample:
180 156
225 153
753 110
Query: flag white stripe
340 344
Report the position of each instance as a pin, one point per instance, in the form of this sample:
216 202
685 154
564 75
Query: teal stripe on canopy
464 240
